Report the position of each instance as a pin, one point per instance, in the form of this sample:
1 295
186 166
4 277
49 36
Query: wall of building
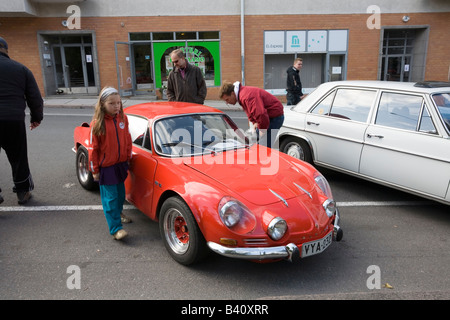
363 51
115 8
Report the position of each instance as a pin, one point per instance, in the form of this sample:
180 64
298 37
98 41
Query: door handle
312 123
371 135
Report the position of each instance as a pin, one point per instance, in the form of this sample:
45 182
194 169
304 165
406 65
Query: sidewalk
89 102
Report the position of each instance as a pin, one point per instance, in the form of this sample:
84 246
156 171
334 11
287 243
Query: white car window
139 131
350 104
442 102
426 123
323 108
353 104
403 111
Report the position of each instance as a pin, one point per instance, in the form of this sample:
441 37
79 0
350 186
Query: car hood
265 179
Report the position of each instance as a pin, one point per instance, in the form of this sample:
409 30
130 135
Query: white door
337 126
404 148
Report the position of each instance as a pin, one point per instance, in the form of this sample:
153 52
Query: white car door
404 148
337 125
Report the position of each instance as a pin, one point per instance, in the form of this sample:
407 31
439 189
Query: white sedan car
393 133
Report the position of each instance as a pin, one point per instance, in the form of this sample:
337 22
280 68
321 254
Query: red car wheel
181 234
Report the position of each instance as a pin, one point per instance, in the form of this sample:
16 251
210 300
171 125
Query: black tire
297 148
180 232
84 176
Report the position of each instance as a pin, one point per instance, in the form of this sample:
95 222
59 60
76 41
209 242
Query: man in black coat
185 81
293 83
18 88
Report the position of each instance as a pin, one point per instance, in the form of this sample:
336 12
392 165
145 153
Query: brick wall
21 34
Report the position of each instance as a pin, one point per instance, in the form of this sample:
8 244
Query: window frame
146 141
420 114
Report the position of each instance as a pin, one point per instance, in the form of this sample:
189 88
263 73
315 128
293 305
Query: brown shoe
119 235
125 219
23 197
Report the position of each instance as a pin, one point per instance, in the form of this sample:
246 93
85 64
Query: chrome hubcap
295 150
176 231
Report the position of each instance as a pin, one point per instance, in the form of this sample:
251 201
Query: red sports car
194 171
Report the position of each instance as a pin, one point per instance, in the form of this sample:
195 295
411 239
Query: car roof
159 109
422 87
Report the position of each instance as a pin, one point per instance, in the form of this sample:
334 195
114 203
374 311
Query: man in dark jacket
185 81
18 88
294 85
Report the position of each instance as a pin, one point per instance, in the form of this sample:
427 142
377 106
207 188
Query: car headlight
329 205
277 228
230 213
235 215
323 184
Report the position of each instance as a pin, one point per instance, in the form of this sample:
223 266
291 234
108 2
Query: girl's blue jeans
113 197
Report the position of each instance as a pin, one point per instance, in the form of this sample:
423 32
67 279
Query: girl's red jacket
112 147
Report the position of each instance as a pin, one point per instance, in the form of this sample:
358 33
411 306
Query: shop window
185 35
195 55
166 64
208 35
158 36
140 36
276 66
275 70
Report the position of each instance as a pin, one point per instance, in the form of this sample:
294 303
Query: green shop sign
204 54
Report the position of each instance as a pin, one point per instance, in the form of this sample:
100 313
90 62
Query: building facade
78 47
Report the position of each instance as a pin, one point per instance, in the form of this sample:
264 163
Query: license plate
317 246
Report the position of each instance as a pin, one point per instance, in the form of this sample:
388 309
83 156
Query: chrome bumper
289 252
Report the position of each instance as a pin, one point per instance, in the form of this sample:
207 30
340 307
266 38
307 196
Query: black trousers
292 98
13 139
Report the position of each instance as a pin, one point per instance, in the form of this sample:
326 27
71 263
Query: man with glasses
185 81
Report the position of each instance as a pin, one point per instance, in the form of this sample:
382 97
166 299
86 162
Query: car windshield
442 102
195 134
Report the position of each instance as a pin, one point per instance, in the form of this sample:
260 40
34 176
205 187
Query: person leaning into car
264 110
185 82
18 88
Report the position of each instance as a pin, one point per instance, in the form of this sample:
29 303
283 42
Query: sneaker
119 235
125 219
23 196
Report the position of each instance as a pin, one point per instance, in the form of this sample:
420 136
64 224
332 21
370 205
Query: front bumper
289 252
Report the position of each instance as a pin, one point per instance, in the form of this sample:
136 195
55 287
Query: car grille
255 242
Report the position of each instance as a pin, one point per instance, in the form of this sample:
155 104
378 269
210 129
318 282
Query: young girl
109 155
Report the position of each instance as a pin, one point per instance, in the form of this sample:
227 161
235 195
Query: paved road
391 239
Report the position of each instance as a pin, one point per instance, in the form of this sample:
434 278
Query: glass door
74 70
73 67
396 68
124 73
143 71
336 70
